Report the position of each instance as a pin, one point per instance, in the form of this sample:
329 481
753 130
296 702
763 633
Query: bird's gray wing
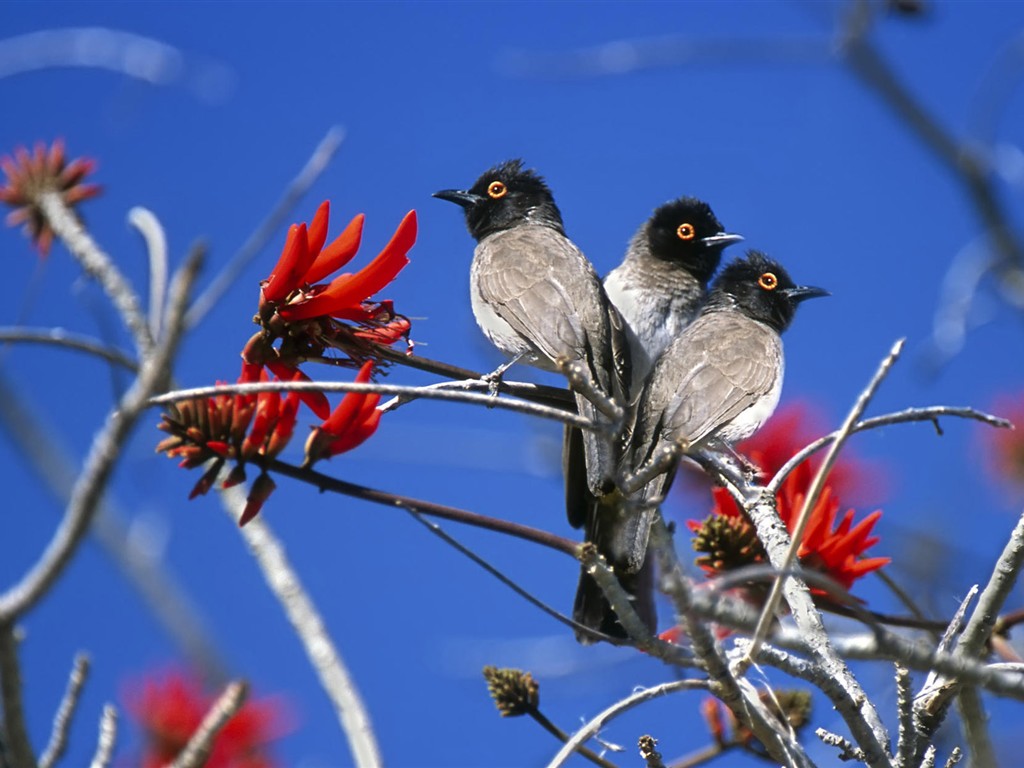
721 365
527 282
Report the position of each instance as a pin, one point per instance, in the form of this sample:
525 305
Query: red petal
355 436
349 291
317 234
262 487
290 267
316 401
339 253
344 415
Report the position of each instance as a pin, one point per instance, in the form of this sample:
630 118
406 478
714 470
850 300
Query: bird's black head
686 232
504 196
762 288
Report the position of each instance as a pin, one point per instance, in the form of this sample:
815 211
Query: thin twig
592 727
108 737
146 222
930 414
197 751
394 500
99 265
974 722
679 658
15 731
304 617
906 740
58 337
102 457
427 393
297 187
62 722
818 484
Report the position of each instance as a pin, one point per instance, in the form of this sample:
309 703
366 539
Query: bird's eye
768 281
686 232
497 190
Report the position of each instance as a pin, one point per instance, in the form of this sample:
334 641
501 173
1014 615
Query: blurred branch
62 722
146 222
15 732
99 265
108 736
427 393
197 751
103 455
37 443
592 727
325 483
268 228
304 617
58 337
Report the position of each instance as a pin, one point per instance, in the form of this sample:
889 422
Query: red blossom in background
170 708
30 175
1006 446
831 544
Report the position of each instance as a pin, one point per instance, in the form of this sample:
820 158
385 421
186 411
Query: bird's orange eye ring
497 190
768 281
686 232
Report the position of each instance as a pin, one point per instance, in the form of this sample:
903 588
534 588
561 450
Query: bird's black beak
460 197
721 240
803 292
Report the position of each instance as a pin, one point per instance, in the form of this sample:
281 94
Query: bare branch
102 457
297 187
62 722
59 337
304 617
108 737
817 485
427 393
974 721
930 414
146 222
525 532
52 462
18 743
592 727
906 741
99 265
227 705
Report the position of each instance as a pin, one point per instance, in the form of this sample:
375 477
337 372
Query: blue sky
795 154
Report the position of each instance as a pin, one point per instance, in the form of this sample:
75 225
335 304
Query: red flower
351 423
831 545
171 707
308 317
30 176
1006 446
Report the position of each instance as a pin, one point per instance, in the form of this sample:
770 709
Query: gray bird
658 289
716 383
537 297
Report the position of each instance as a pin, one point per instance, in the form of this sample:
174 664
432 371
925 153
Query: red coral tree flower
307 316
831 545
32 175
170 708
350 424
1006 446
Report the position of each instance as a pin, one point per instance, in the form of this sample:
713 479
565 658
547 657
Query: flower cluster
831 543
299 319
30 175
170 709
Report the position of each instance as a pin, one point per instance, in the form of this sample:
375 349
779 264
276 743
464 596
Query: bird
538 299
715 384
658 289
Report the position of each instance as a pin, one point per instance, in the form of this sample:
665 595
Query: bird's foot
582 382
494 378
